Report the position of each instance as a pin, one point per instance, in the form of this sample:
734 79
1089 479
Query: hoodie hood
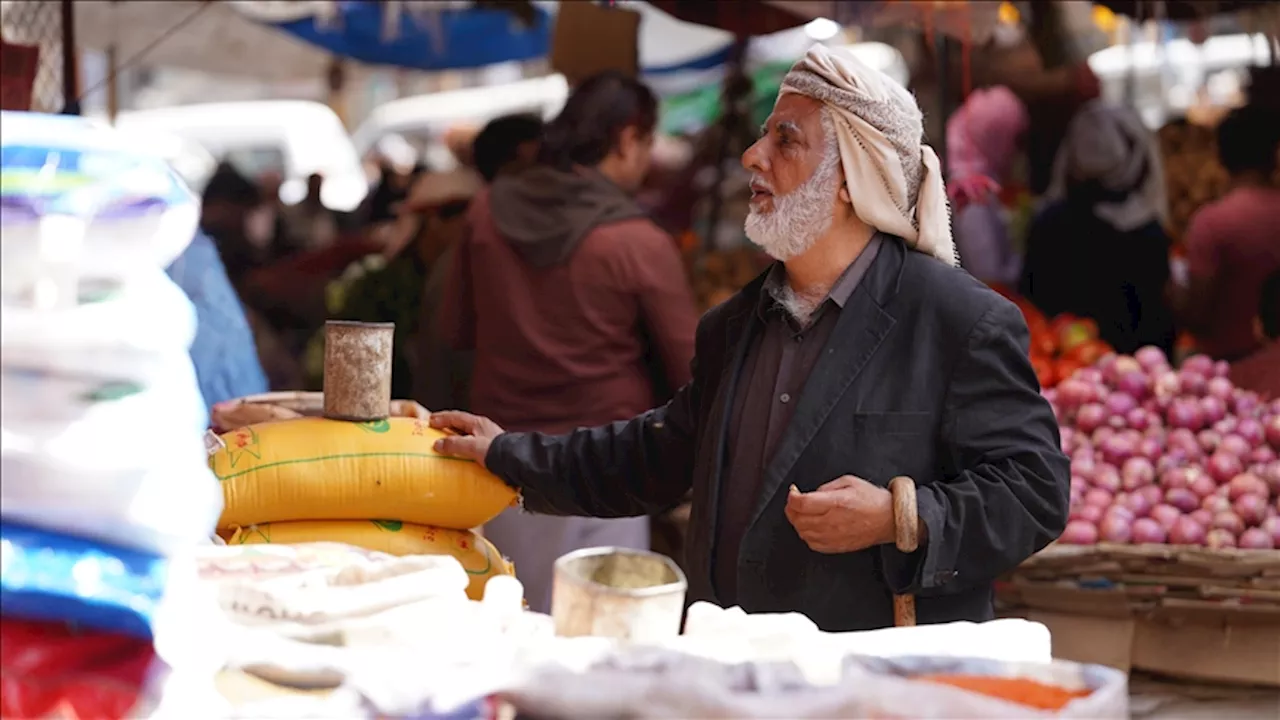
545 212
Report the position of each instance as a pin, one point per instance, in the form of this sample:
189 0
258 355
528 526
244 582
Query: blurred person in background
391 189
460 139
1099 250
1233 244
224 353
576 304
1052 79
265 225
227 203
982 142
387 286
506 146
1260 371
309 225
394 161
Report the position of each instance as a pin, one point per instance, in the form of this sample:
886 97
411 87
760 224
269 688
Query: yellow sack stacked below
478 556
318 469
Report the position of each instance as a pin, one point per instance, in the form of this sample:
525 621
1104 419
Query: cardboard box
1192 613
1208 642
590 39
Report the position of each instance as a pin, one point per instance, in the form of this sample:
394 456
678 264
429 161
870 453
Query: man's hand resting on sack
469 436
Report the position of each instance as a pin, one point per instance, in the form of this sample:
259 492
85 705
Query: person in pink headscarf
982 140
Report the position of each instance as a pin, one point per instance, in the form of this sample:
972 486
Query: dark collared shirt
777 364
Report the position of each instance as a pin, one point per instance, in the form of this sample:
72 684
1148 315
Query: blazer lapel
862 326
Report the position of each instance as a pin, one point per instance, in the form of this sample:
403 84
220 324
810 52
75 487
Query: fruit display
717 275
1059 346
1192 173
1178 457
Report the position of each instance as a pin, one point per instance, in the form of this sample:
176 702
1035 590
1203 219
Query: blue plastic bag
47 576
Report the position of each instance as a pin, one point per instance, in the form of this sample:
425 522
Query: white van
422 120
294 138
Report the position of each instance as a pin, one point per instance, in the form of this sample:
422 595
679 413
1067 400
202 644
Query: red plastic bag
50 670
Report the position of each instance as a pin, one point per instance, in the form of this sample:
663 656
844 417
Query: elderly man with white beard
863 354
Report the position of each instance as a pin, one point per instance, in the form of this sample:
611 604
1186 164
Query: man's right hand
469 435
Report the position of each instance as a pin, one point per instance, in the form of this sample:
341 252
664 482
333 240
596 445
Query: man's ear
1258 333
843 194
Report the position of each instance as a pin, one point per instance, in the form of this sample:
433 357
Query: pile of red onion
1179 457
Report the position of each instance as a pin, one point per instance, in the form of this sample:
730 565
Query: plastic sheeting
422 36
973 21
206 36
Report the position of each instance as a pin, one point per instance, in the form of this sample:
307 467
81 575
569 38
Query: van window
254 161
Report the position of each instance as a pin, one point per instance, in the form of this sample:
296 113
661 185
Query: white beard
800 307
801 216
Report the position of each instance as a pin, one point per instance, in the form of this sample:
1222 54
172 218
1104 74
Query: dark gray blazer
925 375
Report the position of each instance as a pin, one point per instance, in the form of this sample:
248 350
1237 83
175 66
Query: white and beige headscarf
1111 147
894 179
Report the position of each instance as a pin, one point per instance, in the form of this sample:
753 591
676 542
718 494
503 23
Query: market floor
1158 699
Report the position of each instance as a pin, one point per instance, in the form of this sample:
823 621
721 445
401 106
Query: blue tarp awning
450 36
445 38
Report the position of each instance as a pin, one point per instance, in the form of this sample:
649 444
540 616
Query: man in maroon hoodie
575 303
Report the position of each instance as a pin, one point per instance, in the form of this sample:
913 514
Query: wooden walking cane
906 528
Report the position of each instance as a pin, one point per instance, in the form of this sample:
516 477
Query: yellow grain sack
318 469
478 556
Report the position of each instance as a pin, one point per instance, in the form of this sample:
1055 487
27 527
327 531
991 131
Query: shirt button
786 398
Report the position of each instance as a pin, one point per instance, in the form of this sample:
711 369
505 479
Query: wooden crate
1189 612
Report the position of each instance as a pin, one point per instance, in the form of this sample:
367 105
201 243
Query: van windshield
255 161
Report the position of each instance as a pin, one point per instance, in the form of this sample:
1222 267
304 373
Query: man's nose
753 160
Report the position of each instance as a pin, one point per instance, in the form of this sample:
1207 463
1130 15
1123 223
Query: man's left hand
845 515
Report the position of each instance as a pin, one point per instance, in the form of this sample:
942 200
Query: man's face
795 176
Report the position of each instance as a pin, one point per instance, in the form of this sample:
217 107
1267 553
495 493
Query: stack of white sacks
106 481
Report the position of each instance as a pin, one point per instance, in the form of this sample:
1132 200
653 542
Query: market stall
123 607
1169 563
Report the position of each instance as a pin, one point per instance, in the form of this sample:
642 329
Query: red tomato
1061 322
1044 370
1088 352
1043 344
1065 367
1031 313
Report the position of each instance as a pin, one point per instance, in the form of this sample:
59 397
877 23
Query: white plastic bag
885 688
140 213
160 510
41 404
107 334
649 683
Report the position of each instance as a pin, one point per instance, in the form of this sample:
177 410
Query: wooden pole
70 61
728 123
113 69
337 82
